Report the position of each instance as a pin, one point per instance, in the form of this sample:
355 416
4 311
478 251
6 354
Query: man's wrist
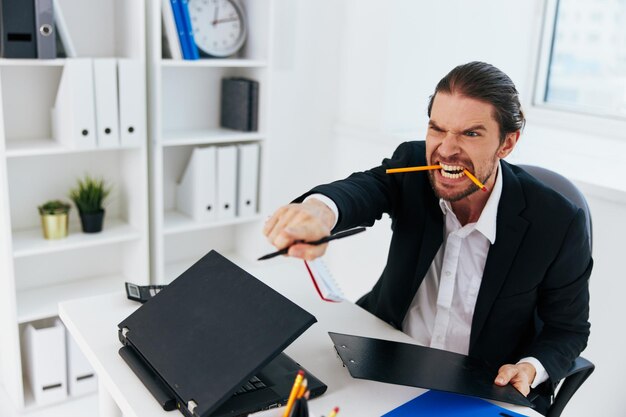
329 213
541 374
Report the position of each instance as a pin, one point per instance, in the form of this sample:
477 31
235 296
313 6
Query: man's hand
308 221
521 376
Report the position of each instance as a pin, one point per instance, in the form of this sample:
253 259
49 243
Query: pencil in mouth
448 171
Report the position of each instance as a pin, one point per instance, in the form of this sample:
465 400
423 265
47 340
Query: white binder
105 92
45 362
248 179
73 115
196 192
81 377
170 31
132 101
226 182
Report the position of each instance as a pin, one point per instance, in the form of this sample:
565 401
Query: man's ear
510 140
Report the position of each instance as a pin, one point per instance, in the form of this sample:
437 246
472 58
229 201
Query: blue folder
444 404
183 35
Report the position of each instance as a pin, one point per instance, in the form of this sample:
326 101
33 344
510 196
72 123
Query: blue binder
180 27
193 48
443 404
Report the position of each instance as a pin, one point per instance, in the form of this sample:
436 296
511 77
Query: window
582 67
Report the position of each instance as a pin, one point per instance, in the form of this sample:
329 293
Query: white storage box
45 361
80 375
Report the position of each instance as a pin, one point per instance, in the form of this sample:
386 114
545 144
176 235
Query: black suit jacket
539 264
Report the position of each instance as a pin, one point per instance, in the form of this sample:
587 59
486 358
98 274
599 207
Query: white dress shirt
440 315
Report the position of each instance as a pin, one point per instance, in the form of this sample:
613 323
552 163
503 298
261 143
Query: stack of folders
33 29
239 104
179 41
55 366
220 183
100 103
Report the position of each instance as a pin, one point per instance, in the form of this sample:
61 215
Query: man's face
462 134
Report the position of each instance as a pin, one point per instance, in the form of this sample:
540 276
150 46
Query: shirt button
448 273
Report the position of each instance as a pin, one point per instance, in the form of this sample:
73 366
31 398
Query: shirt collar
486 223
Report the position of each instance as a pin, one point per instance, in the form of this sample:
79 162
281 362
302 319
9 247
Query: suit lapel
510 230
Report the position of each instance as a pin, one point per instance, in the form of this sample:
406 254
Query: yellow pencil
294 391
475 180
412 169
302 389
334 412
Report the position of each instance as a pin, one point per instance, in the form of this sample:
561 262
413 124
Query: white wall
370 91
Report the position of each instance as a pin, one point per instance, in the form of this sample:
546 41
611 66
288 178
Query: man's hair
484 82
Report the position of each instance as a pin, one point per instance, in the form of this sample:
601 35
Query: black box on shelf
239 104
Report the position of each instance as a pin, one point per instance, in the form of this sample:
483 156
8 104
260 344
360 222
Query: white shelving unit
183 113
36 274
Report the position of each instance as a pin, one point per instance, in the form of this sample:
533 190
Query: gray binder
44 25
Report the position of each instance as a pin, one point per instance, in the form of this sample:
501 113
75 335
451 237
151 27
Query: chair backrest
564 186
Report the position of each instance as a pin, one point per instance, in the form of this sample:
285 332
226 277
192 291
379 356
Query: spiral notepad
323 281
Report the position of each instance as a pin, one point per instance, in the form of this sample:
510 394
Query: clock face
218 26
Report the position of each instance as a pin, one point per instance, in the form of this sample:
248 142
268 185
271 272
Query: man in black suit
467 270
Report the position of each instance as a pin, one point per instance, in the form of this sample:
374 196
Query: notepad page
324 281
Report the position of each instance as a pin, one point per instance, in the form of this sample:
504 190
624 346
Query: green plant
54 207
89 194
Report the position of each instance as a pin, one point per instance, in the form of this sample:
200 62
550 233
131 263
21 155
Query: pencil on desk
302 389
412 169
334 412
475 180
294 391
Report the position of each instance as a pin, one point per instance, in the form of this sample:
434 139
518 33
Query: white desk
93 324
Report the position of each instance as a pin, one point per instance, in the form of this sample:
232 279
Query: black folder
422 367
209 332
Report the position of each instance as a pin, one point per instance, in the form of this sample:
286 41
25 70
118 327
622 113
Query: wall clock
219 26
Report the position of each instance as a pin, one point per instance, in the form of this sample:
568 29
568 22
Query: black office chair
581 368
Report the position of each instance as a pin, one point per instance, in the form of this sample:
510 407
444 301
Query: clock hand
233 19
215 15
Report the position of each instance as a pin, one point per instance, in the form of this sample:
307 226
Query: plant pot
92 222
54 225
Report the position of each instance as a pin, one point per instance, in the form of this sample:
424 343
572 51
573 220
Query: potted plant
89 195
54 219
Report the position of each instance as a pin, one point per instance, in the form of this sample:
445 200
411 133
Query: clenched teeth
451 171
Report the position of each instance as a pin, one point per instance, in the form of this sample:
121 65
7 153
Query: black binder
422 367
17 24
239 104
196 342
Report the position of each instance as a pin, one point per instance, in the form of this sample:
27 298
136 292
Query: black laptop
211 343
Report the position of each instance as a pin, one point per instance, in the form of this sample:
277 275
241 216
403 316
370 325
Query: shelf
215 63
41 302
30 242
40 147
15 62
176 222
81 406
208 136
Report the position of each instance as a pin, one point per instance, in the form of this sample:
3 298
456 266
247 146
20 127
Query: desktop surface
93 323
